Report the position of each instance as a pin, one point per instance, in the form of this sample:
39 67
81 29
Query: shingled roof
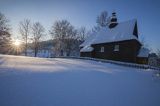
123 31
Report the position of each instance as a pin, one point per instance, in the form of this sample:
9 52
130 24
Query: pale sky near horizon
84 13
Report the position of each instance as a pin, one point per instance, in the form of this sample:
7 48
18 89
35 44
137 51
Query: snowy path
26 81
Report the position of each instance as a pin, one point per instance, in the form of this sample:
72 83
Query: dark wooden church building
118 41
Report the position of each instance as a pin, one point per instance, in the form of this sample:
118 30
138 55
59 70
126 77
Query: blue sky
84 13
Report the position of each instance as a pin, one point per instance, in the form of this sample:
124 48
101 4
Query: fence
134 65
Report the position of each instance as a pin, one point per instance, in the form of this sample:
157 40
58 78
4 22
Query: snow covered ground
27 81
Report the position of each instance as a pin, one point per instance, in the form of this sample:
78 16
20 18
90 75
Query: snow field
27 81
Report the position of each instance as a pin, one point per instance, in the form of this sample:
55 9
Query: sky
84 12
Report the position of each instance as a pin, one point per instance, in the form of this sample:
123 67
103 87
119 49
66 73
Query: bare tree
37 35
24 29
82 34
5 36
65 36
102 19
145 44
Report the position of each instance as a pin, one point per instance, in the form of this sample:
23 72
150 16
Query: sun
16 42
16 47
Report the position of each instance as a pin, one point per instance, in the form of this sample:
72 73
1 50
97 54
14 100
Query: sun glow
16 42
16 47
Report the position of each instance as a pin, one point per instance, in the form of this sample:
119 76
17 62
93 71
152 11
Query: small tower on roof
113 20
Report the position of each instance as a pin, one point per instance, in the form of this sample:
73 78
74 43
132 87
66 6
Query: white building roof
143 52
87 49
123 31
88 40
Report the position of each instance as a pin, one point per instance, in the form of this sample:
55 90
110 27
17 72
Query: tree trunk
35 52
26 49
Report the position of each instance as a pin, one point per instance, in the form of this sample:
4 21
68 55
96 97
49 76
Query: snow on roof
88 40
123 31
87 49
143 52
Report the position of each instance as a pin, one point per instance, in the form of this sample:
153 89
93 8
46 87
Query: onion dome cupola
113 20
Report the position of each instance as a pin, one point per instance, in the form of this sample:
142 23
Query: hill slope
26 81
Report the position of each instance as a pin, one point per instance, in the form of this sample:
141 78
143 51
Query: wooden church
118 41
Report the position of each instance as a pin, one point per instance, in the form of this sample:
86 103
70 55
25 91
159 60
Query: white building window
102 49
116 48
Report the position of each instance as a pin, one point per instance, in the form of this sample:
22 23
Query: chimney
113 20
